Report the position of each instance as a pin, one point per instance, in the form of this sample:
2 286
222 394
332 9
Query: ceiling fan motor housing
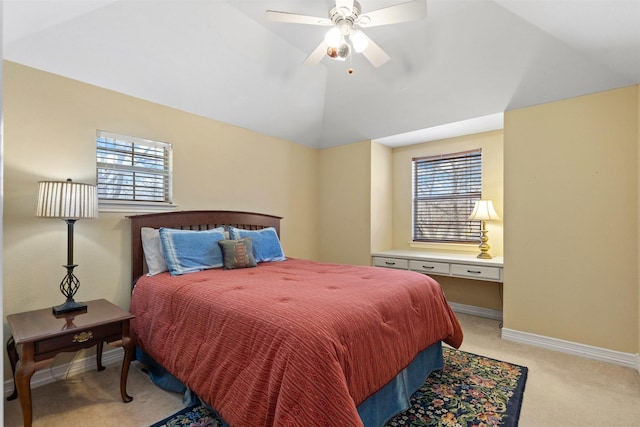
338 14
344 20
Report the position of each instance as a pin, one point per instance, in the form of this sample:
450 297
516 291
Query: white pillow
152 248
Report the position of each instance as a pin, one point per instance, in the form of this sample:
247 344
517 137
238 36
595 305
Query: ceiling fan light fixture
333 37
344 50
359 40
340 52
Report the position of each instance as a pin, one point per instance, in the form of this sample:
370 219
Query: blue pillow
188 251
266 245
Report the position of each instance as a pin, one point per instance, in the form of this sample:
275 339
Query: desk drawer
475 271
441 268
79 338
390 262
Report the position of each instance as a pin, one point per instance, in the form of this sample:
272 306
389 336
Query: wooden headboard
191 220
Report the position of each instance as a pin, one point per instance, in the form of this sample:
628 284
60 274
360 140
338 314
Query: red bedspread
293 343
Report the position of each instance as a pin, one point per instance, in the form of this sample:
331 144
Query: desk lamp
483 211
69 201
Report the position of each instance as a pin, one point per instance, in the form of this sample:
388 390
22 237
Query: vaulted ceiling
222 59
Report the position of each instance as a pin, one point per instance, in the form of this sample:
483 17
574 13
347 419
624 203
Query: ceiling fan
347 20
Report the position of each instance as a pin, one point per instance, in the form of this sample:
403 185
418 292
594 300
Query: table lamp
483 211
69 201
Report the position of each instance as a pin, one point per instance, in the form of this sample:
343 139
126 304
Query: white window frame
121 205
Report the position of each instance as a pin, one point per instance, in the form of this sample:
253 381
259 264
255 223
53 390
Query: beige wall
381 197
571 224
355 202
50 125
345 204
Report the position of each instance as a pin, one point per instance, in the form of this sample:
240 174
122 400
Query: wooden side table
42 335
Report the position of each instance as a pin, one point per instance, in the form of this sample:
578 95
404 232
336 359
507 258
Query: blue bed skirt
394 397
374 412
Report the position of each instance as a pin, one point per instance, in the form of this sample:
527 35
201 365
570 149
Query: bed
289 342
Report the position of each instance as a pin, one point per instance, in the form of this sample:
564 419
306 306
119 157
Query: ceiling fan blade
404 12
345 5
317 54
294 18
374 53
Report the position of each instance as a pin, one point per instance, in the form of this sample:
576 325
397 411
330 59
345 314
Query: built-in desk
467 266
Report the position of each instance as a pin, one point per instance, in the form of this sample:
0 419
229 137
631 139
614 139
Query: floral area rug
471 391
194 416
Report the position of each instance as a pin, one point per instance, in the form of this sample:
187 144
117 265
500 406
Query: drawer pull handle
474 271
83 337
390 263
428 267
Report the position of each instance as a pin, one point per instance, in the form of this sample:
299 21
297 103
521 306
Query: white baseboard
597 353
476 311
75 367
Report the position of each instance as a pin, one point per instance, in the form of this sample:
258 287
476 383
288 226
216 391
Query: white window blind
133 169
445 188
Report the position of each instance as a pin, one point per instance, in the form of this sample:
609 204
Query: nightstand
42 335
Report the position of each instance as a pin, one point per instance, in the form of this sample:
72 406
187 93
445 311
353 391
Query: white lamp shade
333 37
67 200
483 211
359 40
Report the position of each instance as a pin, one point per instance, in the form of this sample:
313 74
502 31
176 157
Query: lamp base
484 246
69 307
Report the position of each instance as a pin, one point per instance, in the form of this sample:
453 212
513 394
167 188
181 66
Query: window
445 189
132 170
